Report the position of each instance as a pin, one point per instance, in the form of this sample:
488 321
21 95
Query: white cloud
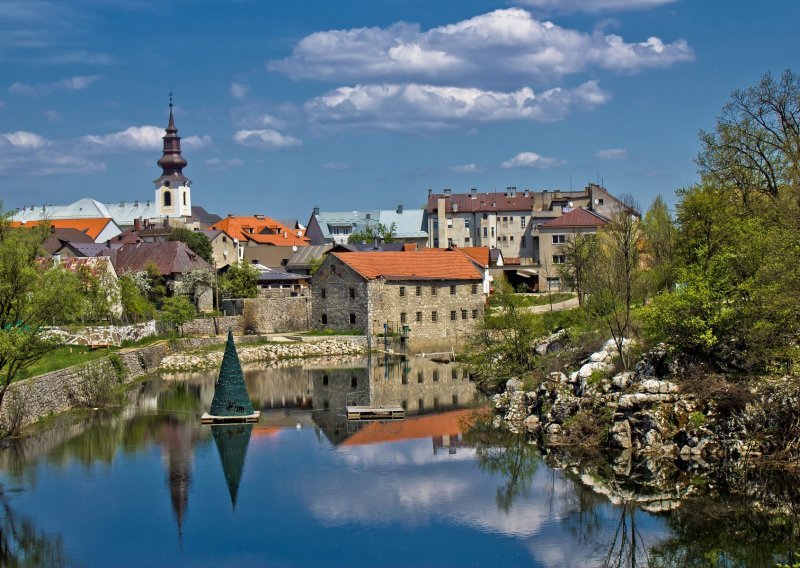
532 160
612 154
80 57
218 164
593 6
143 138
337 166
266 138
25 140
52 115
271 121
76 83
500 48
467 169
239 90
415 106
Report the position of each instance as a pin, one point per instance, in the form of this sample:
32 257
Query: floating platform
375 413
210 419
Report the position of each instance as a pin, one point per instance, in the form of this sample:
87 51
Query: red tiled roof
497 201
411 428
576 218
426 264
261 230
478 254
92 226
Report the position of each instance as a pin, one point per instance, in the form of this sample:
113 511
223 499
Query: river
148 485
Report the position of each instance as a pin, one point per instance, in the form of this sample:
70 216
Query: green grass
62 358
538 299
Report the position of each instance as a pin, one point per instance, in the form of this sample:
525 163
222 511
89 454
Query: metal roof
304 255
411 223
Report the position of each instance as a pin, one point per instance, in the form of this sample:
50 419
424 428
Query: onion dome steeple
172 162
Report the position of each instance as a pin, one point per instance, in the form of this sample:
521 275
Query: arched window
184 198
167 199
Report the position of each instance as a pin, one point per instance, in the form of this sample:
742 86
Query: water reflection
232 441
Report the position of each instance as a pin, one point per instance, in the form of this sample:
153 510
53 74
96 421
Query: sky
366 104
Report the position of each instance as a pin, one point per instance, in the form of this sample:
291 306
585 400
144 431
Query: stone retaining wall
104 334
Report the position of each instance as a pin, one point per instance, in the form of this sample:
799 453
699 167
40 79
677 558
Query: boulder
622 381
532 423
621 435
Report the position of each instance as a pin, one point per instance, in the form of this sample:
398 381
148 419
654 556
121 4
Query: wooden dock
375 413
209 419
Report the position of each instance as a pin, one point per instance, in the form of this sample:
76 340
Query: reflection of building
177 443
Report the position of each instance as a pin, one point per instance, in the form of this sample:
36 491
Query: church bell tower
173 193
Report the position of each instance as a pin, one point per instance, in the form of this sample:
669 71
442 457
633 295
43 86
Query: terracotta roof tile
478 254
496 201
579 217
90 226
261 230
445 423
426 264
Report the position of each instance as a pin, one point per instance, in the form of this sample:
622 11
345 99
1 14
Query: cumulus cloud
265 138
414 106
239 90
336 166
467 169
76 83
612 154
503 47
532 160
26 140
593 6
143 138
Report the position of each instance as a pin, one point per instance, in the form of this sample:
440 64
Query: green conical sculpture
231 402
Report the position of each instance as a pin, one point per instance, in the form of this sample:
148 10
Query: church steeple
172 162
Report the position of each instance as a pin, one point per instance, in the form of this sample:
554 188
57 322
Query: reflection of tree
627 547
22 545
500 452
707 532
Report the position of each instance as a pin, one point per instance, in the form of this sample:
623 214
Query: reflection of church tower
173 195
178 441
232 441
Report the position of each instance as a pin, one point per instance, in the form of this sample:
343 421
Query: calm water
150 486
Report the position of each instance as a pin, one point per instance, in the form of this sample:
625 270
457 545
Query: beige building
435 294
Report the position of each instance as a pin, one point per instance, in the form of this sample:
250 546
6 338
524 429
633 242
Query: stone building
437 294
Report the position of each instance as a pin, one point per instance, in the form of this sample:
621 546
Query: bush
97 387
15 413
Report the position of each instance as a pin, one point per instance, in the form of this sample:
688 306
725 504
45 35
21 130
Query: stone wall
339 298
103 335
277 314
213 326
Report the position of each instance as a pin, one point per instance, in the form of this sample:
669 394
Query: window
434 316
511 238
474 314
325 380
333 269
465 375
435 243
453 290
353 382
484 231
419 290
522 242
420 377
352 292
453 315
553 281
352 319
450 223
466 223
184 198
522 222
436 374
421 405
419 317
559 239
474 288
559 259
402 317
599 201
402 291
224 239
449 242
492 231
433 290
454 374
485 216
463 314
324 319
167 199
322 293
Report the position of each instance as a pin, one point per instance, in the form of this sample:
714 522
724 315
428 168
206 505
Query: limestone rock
621 435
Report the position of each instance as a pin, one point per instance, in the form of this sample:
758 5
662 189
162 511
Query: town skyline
368 106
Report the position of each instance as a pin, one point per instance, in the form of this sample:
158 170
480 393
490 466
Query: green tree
315 263
195 240
240 281
33 295
614 282
578 251
659 232
177 310
135 305
371 232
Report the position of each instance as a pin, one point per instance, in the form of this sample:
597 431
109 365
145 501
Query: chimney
108 243
473 193
430 193
316 211
447 191
136 203
399 209
455 207
527 193
137 224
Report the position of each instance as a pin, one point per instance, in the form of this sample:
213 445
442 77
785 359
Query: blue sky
368 103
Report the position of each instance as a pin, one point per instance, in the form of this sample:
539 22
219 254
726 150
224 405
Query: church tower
173 193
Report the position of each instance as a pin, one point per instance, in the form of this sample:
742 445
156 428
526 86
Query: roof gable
578 217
